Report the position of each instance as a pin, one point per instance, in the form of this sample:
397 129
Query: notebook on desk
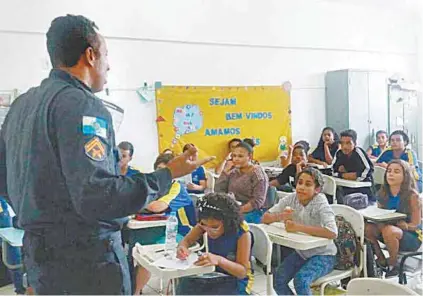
381 215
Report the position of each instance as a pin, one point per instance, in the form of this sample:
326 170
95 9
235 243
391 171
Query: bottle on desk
171 233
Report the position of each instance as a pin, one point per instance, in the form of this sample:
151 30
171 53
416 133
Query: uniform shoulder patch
95 149
94 126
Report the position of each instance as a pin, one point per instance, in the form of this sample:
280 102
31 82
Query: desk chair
357 222
375 286
262 251
379 175
270 198
407 255
210 182
329 187
14 237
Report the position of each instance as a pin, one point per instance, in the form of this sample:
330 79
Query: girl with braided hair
229 245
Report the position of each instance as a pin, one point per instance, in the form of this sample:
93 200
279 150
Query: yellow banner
211 116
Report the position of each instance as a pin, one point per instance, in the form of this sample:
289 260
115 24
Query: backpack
373 270
357 200
347 244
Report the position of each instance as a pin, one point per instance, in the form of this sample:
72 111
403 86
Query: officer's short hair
68 37
127 146
162 158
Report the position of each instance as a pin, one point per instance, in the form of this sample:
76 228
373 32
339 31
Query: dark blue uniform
58 169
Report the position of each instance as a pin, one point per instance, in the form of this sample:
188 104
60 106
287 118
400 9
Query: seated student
248 182
352 163
286 159
14 253
398 141
228 163
309 212
126 151
230 243
252 144
176 200
199 180
382 143
287 177
397 193
326 148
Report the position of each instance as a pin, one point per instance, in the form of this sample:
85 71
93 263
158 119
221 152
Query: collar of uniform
63 75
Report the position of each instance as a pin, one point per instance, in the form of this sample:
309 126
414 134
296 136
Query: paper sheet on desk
176 263
375 211
278 225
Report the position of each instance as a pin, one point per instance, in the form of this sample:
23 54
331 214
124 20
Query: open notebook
174 263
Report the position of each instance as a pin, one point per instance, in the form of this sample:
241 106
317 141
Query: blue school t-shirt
226 246
376 151
393 202
198 175
179 201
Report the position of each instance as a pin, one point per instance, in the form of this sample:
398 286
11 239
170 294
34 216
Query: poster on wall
209 117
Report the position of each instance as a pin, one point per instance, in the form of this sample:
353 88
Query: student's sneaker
391 272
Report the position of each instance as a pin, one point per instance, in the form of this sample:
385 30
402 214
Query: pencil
206 242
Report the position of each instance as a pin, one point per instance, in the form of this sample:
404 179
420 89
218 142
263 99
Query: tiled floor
153 287
7 290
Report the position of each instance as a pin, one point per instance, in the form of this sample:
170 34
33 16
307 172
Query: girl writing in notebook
397 193
308 211
229 248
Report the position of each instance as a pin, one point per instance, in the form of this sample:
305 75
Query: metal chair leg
402 277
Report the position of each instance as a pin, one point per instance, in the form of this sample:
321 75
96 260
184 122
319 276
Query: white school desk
378 215
147 255
298 241
319 166
273 170
14 237
350 183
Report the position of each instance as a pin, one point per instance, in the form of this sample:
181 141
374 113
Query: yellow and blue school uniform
181 203
198 175
178 201
376 150
408 156
411 239
226 246
226 284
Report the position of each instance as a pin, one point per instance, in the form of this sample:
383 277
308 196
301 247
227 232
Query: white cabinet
357 99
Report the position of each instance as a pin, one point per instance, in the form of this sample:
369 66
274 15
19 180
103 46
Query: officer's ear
91 56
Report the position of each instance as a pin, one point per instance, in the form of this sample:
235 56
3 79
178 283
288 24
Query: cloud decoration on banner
186 119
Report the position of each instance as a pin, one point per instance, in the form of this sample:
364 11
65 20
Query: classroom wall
218 42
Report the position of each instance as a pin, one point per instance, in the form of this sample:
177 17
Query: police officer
58 169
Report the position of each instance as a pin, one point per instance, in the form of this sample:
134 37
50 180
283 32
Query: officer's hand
182 165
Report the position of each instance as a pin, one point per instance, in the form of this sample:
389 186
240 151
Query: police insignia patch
95 149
